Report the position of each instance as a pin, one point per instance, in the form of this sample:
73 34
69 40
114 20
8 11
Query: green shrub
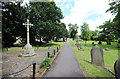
46 63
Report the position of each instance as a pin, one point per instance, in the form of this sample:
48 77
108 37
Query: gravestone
76 42
107 49
92 42
97 56
27 50
100 42
117 68
79 46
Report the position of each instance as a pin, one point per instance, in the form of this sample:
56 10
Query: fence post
59 46
37 47
34 67
57 49
54 51
7 48
48 54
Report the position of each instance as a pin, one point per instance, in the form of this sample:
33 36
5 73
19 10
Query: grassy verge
84 59
52 45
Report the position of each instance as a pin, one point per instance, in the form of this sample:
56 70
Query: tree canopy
73 29
45 16
85 32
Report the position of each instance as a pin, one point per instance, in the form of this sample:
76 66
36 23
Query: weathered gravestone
100 42
106 49
97 56
117 68
76 42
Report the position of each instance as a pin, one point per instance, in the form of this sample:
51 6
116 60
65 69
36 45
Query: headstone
117 68
37 47
99 42
107 49
79 46
97 56
108 43
93 43
27 50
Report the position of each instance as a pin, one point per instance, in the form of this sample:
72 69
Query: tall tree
46 18
107 32
115 10
73 28
13 17
85 32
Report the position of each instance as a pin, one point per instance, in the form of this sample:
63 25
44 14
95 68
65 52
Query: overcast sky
78 11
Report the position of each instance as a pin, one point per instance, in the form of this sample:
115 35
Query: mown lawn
84 58
51 45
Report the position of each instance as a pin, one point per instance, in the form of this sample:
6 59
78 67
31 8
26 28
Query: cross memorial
27 24
28 51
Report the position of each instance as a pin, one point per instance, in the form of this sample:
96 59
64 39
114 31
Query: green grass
52 45
84 58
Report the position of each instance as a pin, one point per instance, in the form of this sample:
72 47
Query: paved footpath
66 64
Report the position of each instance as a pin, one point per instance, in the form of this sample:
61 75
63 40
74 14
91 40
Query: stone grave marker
107 49
97 56
79 46
117 68
76 42
100 42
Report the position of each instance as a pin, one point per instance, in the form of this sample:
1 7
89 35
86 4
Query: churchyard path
66 64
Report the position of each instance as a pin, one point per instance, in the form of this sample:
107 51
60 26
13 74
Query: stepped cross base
28 51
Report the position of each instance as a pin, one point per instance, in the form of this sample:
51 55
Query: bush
46 63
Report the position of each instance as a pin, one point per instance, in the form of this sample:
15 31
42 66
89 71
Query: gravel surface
12 63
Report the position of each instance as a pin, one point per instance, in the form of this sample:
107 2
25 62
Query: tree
73 30
13 16
94 35
115 10
46 18
107 33
85 32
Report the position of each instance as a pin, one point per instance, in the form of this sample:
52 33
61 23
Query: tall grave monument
27 50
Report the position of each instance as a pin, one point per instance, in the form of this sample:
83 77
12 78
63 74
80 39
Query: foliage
13 17
46 19
95 35
46 63
107 32
115 10
45 16
85 32
62 32
73 30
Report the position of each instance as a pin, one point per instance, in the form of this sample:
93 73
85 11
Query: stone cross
27 24
27 50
